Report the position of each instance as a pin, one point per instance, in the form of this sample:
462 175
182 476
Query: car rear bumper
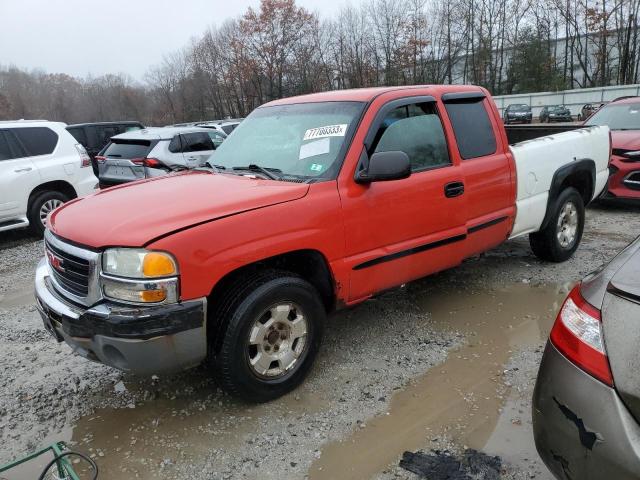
623 178
141 340
581 427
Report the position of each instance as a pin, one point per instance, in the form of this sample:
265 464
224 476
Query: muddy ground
446 363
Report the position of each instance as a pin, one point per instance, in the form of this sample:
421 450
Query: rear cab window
36 140
129 149
472 126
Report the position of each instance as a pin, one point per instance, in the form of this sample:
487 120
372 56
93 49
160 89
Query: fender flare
583 165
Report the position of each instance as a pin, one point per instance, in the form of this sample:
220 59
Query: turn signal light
153 295
156 264
577 334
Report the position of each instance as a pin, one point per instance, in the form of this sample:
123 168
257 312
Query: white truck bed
538 160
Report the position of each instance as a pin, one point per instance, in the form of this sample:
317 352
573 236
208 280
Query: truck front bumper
141 340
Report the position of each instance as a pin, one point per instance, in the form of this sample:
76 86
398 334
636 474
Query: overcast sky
82 37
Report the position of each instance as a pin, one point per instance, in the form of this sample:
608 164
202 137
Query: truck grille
74 271
70 272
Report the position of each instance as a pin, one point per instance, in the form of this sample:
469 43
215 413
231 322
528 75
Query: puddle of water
135 442
459 398
32 469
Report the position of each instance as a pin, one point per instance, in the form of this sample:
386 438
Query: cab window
416 130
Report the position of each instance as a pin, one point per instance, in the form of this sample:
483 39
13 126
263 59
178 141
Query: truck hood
626 139
136 213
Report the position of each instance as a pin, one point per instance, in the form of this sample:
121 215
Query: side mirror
384 166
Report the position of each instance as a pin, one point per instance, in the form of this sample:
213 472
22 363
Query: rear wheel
42 205
274 322
560 238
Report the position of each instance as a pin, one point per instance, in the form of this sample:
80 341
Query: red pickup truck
314 203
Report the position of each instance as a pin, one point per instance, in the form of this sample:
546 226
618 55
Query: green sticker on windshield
316 167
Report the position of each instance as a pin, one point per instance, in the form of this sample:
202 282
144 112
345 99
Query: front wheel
273 333
42 205
560 238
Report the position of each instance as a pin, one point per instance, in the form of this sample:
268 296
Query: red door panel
401 230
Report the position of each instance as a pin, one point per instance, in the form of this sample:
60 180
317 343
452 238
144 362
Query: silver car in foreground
153 152
586 404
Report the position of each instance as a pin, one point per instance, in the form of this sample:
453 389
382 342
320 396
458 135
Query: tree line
281 49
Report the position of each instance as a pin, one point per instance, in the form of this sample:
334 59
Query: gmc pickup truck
314 203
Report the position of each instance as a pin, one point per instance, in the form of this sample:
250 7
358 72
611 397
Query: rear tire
274 323
561 237
43 204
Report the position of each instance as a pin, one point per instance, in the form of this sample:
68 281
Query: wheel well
57 186
582 181
308 264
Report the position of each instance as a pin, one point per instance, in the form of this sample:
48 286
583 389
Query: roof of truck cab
367 94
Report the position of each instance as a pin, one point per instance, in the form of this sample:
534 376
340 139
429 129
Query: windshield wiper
266 171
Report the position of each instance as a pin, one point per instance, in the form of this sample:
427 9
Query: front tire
561 237
43 204
274 323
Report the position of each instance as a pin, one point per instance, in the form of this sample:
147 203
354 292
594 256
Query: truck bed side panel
536 162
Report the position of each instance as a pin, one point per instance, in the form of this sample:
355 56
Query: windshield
303 140
624 116
557 108
519 108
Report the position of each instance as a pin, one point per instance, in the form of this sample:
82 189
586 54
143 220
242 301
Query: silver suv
153 152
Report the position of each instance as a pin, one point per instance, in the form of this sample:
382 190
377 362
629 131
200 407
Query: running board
13 223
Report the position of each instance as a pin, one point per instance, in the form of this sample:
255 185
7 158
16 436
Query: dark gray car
586 404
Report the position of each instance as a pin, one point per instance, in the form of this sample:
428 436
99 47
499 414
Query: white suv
41 167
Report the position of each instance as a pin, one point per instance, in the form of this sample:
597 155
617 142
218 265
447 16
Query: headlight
138 263
135 275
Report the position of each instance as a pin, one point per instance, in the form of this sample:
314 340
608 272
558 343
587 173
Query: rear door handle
27 169
453 189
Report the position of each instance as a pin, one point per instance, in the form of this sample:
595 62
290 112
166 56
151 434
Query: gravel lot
375 359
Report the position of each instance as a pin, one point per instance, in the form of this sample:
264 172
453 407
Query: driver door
400 230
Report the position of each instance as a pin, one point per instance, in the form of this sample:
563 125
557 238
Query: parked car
153 152
517 113
589 109
41 167
314 203
586 404
555 113
94 136
224 126
623 118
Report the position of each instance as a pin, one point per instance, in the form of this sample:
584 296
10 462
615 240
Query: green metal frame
65 469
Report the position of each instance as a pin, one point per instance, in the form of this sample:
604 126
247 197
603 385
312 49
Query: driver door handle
26 169
453 189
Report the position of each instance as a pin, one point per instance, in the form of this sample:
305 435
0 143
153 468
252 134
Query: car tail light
148 162
100 159
85 159
577 334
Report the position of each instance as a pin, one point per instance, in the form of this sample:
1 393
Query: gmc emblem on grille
55 262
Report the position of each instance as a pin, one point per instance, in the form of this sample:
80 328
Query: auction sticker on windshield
328 131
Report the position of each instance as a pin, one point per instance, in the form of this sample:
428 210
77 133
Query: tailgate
118 166
538 160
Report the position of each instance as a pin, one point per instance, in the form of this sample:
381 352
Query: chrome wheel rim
277 339
48 207
567 225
